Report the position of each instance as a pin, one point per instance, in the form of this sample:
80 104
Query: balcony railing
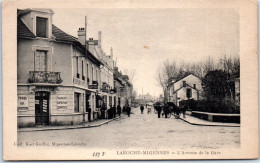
44 77
113 90
95 82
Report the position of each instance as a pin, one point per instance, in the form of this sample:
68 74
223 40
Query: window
41 27
40 60
76 102
93 102
105 99
194 86
77 66
110 101
189 93
87 70
92 75
82 67
96 75
87 102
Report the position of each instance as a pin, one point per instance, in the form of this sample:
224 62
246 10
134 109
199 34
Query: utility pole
142 96
86 22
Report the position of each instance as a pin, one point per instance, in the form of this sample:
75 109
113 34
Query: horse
175 109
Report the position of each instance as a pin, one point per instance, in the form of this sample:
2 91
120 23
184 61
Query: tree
162 80
133 95
131 75
216 85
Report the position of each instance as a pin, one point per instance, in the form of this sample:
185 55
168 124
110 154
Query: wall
29 20
60 54
191 79
64 116
182 94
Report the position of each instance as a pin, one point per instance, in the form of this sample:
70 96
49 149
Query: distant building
107 91
119 85
145 98
161 98
187 87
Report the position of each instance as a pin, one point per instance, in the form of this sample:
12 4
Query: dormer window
184 83
41 27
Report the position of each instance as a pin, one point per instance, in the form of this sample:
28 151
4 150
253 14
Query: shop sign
104 90
93 86
62 102
22 103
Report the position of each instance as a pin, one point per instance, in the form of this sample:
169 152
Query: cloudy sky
144 38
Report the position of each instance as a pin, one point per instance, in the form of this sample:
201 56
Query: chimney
99 38
111 53
82 36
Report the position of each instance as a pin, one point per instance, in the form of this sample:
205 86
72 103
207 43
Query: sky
142 39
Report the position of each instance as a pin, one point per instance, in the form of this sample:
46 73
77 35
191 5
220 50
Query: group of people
148 108
113 110
169 109
160 108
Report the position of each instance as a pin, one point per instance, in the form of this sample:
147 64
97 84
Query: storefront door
88 108
42 108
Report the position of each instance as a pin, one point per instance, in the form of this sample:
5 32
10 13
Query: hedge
211 106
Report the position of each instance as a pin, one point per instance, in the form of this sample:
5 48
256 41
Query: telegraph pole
142 96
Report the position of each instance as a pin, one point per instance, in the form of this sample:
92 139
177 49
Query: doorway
42 108
88 108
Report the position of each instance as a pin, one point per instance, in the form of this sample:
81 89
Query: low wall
217 117
25 121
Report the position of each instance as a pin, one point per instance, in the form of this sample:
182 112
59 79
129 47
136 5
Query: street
142 131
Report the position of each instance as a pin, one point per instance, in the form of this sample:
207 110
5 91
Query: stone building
107 91
184 88
57 77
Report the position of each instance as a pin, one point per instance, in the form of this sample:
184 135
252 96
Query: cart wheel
169 115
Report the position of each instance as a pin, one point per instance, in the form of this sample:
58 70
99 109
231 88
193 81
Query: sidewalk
196 121
95 123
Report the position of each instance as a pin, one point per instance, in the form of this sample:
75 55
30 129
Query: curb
72 127
199 124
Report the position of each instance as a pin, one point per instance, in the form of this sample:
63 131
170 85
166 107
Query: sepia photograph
130 83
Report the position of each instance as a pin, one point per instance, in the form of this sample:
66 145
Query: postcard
130 80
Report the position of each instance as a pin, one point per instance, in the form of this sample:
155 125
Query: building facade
107 91
188 87
57 76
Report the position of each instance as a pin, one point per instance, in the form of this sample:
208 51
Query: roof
182 76
62 36
187 86
25 11
119 80
22 30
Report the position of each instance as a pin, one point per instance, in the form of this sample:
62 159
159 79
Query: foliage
169 71
216 85
226 106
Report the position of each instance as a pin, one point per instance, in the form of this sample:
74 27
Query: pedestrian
184 111
89 113
149 109
124 108
128 110
119 110
110 112
114 111
103 110
159 110
165 109
142 109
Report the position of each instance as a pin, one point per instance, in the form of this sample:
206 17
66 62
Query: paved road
142 131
